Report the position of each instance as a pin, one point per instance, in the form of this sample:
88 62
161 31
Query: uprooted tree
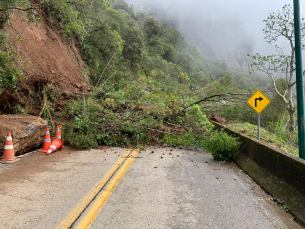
280 25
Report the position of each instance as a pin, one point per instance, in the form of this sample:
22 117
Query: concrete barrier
279 173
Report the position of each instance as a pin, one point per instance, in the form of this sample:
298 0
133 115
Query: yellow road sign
258 101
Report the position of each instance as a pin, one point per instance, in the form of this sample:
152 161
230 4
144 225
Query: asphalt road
162 188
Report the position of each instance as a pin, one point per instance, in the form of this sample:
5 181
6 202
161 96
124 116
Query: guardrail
279 173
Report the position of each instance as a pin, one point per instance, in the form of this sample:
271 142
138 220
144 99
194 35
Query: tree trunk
292 125
291 109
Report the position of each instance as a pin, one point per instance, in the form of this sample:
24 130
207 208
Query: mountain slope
43 55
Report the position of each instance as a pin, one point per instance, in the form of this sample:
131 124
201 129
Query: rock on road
163 188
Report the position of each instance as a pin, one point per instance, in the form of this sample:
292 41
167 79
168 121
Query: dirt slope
44 56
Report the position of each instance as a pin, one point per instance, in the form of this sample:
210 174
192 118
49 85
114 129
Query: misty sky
250 12
254 12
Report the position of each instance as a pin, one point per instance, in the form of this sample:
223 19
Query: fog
225 30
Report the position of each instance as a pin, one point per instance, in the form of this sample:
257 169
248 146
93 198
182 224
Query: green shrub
51 94
221 145
82 141
197 119
279 129
179 139
67 16
8 72
20 110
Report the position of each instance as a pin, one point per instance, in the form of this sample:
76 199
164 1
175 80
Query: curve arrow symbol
260 99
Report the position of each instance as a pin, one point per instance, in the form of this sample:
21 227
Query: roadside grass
271 139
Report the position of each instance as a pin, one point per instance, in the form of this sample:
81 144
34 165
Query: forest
149 85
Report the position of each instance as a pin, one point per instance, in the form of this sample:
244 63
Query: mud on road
163 188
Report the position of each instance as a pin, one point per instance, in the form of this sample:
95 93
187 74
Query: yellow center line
103 198
83 204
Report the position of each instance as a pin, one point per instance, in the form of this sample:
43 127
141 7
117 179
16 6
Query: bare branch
105 69
219 96
275 87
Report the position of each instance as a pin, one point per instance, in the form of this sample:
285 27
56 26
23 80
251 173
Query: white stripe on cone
8 147
53 147
8 138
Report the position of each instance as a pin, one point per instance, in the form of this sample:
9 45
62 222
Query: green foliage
281 203
218 143
83 123
99 48
151 27
122 5
82 141
50 92
5 13
197 119
121 45
221 145
67 16
76 18
279 129
278 137
134 46
8 72
97 120
187 139
13 3
281 24
20 110
46 112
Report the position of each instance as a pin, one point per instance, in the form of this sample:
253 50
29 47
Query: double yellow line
87 221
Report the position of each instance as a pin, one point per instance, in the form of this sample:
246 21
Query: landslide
47 61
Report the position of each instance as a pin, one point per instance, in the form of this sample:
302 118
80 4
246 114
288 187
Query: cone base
43 150
10 162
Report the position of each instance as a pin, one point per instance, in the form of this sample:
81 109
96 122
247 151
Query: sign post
259 126
258 101
299 77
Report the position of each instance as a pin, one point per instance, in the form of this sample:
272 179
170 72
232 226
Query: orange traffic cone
46 142
9 153
58 133
56 144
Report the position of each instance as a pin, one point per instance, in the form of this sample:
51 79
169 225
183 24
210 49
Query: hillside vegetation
147 84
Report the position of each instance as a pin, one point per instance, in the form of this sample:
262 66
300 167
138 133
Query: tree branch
218 95
275 87
17 8
105 69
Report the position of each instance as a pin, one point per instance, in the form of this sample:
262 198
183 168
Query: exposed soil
9 100
44 56
47 61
